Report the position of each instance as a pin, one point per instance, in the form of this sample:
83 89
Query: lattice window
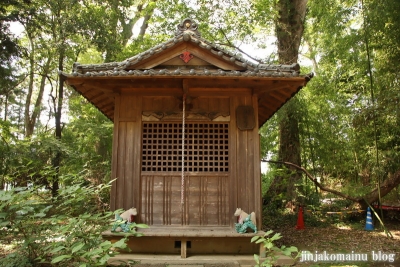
206 147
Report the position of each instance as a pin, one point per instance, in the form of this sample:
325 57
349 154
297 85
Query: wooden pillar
114 163
262 251
183 249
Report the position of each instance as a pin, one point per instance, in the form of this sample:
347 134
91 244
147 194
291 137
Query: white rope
183 152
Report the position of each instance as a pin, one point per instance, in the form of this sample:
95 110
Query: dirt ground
347 240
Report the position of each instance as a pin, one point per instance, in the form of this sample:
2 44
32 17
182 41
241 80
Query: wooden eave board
113 84
175 51
272 92
271 103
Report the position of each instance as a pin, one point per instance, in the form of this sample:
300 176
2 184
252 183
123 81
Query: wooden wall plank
246 154
201 103
257 167
129 108
160 200
126 154
114 160
250 165
242 166
161 103
136 140
206 200
120 166
194 208
233 159
129 162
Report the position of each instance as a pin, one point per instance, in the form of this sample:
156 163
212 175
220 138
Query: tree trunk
289 30
58 125
6 96
121 39
385 187
30 119
28 124
145 23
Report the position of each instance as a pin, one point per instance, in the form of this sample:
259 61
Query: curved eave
272 89
268 106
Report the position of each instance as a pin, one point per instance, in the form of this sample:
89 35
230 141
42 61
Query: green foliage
9 50
64 232
228 23
348 117
348 104
89 138
275 217
16 260
271 250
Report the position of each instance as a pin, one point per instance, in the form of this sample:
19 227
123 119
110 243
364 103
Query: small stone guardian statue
124 221
245 221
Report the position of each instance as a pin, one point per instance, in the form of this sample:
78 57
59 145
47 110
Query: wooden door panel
160 202
206 200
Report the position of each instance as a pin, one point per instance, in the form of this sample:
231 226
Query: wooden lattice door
206 169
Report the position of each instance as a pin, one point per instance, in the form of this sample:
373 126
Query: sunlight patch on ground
395 234
6 248
344 227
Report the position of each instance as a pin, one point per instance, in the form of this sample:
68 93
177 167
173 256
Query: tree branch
373 196
314 180
229 44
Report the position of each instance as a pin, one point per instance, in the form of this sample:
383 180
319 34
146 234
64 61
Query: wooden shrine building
187 102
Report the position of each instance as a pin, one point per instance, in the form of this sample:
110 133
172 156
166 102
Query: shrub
63 232
271 251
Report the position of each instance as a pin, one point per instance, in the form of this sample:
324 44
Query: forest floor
347 239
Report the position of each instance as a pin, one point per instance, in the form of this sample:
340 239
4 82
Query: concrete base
193 261
189 242
199 247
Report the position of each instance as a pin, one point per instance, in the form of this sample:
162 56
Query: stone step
149 260
177 261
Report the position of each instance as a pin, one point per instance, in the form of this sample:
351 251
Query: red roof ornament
186 56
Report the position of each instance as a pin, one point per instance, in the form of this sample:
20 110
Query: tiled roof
189 35
95 71
273 84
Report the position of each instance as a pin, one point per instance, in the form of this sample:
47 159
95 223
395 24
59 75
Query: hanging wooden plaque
245 119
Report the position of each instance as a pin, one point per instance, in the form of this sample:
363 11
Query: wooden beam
106 101
280 96
74 81
175 51
208 56
185 86
160 58
108 109
220 92
176 92
116 84
275 85
231 82
93 94
260 85
114 159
